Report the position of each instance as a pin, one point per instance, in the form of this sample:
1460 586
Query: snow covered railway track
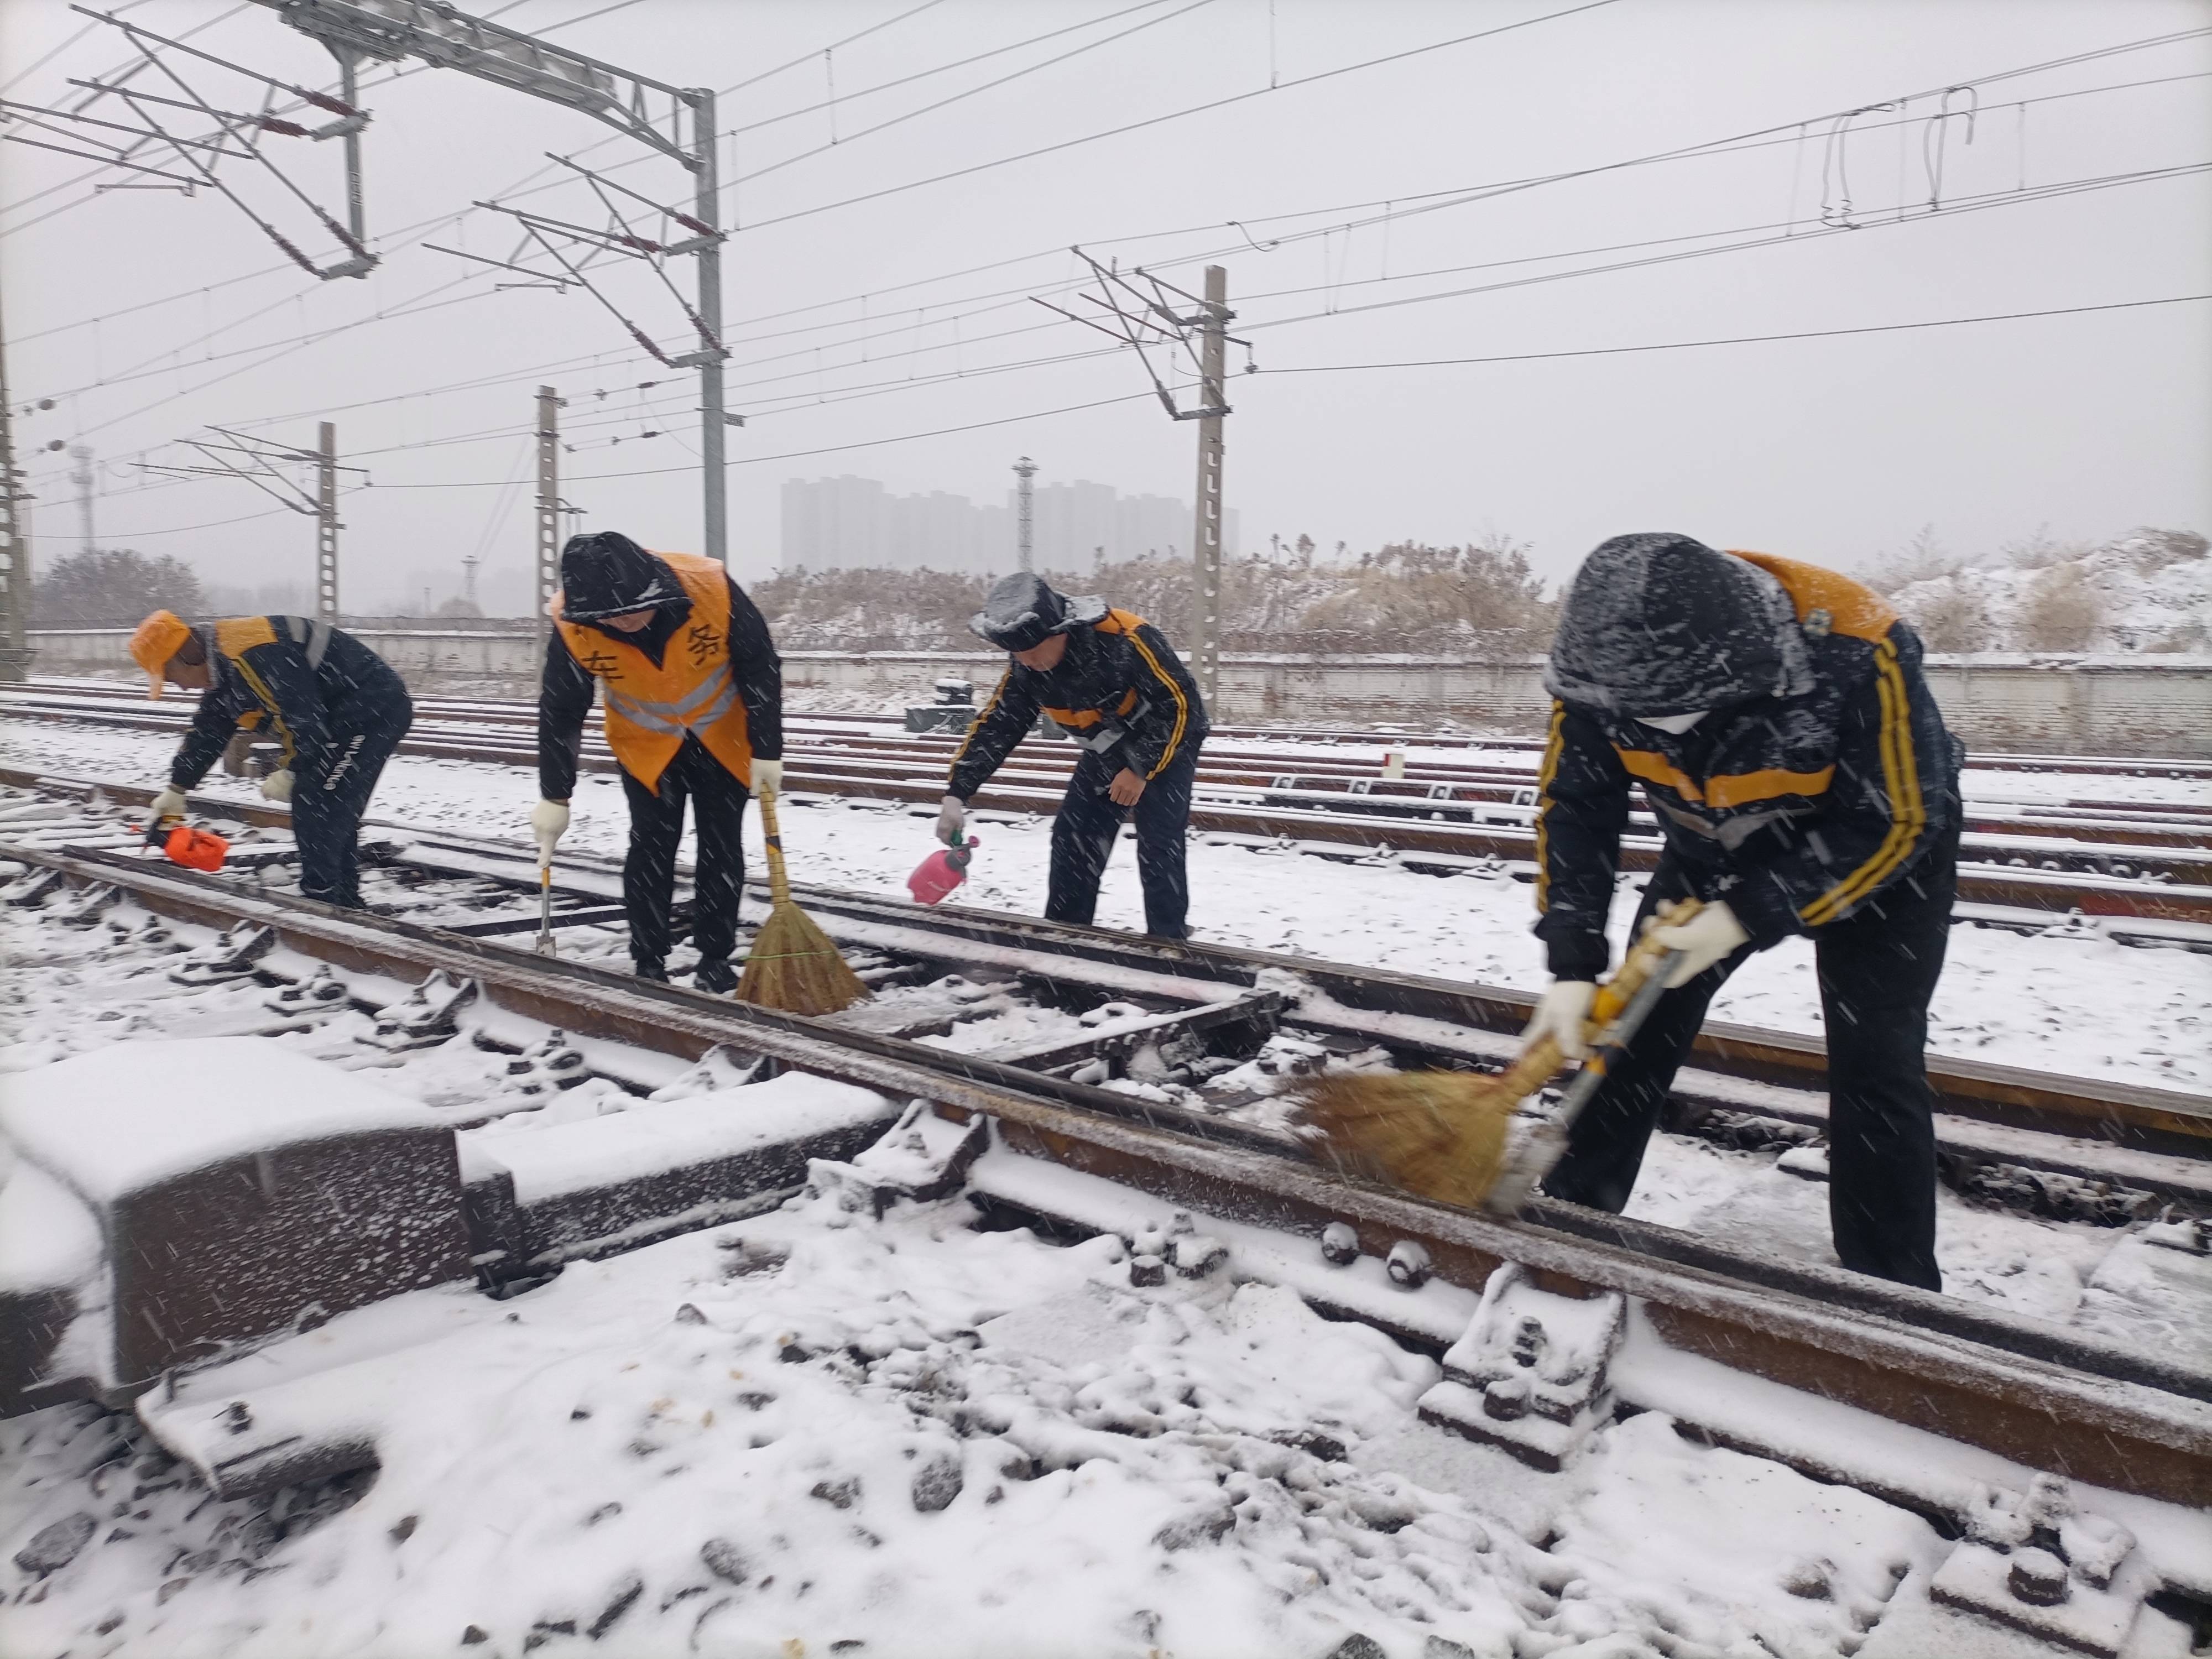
2034 1394
1261 739
1746 1086
1444 791
2148 877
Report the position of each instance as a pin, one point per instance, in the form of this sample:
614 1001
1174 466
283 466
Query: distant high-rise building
849 523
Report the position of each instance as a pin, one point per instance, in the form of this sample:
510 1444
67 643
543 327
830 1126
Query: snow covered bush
2150 590
1408 597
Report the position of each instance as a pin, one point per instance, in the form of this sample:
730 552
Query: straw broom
1443 1135
793 965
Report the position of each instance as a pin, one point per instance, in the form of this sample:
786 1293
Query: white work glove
169 803
548 821
767 777
1703 939
277 785
1561 1015
952 819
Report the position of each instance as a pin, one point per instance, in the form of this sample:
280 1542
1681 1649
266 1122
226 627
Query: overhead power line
1742 339
971 92
1176 115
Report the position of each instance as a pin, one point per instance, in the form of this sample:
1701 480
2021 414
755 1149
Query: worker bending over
338 708
1775 716
695 711
1112 683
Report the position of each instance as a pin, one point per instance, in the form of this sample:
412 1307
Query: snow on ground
2073 1005
992 1447
914 1438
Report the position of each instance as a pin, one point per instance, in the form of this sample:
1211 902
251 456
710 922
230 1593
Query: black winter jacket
262 672
1795 809
1119 688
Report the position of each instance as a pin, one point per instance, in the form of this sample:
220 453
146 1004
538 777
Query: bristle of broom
1438 1135
795 966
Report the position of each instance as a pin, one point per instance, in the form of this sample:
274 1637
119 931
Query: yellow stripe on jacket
234 637
1128 625
1900 778
1554 740
1727 789
976 724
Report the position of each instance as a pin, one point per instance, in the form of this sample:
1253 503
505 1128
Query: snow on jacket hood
606 573
1659 624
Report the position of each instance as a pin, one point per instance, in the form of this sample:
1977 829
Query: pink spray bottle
941 871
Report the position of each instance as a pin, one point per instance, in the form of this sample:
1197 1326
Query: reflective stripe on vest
700 707
315 635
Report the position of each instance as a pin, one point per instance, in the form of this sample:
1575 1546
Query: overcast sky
867 305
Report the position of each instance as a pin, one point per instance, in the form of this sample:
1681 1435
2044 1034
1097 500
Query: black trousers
656 827
328 801
1083 838
1877 970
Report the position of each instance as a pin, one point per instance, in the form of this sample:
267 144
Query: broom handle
1532 1068
778 883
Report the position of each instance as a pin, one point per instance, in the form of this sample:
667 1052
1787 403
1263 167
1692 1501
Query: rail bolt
1408 1264
1339 1245
1505 1397
2038 1577
1529 1341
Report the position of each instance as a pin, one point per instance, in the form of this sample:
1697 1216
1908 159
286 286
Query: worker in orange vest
693 694
339 710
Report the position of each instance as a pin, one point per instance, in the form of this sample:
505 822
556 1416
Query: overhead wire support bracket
236 137
389 30
538 278
628 243
1166 325
697 226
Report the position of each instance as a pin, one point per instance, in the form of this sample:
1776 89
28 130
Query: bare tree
114 586
1920 560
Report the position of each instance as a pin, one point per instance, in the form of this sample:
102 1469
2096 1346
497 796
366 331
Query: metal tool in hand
545 946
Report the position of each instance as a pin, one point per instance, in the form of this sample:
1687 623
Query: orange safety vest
651 706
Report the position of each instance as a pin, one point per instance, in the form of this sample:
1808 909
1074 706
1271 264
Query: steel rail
2094 765
1256 767
2032 1392
1026 788
1411 1011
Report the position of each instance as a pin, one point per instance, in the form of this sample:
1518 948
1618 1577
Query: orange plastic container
196 849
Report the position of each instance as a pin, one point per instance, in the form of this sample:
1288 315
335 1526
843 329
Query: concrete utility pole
15 547
1206 541
1025 515
714 418
549 498
81 476
326 523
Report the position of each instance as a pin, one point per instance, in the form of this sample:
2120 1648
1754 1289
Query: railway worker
694 712
1775 716
1110 681
338 708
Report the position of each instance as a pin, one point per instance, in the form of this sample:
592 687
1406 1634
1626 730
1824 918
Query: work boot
657 972
716 978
